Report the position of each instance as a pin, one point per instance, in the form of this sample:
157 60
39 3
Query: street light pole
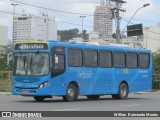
14 5
146 36
82 24
145 5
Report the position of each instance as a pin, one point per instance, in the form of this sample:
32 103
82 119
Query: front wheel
122 92
71 93
39 98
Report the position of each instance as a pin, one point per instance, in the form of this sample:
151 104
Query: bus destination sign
31 46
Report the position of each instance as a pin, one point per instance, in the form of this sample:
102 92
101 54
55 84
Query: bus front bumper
46 91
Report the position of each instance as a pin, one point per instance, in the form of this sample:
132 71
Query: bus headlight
13 85
43 85
46 83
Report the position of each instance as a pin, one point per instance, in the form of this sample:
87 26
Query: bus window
58 60
90 58
144 61
105 59
119 60
74 58
131 60
31 64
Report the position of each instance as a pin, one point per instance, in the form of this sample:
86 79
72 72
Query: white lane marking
67 109
130 105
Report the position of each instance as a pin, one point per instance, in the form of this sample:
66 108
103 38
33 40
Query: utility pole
118 22
14 5
82 25
146 28
116 10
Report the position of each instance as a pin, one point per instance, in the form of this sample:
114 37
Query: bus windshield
31 64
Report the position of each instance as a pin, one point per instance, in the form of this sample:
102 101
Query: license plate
25 91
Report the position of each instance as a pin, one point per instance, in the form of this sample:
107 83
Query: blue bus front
31 70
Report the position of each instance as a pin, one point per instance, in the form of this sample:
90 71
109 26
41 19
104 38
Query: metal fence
5 81
156 81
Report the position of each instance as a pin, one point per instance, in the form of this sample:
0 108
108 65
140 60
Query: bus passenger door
58 68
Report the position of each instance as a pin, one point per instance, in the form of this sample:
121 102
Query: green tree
156 61
3 63
85 35
66 35
114 36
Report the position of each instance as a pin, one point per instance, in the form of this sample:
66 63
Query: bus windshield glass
31 64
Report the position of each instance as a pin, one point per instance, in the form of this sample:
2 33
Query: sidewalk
148 92
5 93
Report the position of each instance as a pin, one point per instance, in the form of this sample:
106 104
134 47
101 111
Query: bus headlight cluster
43 85
13 85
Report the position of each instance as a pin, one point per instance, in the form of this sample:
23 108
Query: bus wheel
71 93
93 97
39 98
122 92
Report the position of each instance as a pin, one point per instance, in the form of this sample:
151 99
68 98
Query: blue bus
45 69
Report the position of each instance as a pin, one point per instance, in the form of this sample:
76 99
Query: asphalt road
135 102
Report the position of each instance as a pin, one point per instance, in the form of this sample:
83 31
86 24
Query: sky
148 16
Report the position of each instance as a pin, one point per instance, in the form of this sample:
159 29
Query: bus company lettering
143 71
85 74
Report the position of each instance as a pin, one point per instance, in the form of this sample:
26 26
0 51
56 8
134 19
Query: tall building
4 36
27 28
103 21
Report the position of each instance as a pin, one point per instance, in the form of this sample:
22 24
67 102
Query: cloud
150 13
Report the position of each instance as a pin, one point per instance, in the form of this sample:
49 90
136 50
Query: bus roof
88 45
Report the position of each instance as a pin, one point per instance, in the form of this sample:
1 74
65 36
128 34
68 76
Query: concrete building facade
29 28
103 21
149 40
152 38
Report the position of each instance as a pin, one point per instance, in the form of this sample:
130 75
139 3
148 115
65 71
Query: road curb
5 93
158 92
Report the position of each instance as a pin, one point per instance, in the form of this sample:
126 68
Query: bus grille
28 80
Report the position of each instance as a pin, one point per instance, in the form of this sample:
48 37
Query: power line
49 19
74 24
144 20
50 8
152 38
89 15
152 32
143 28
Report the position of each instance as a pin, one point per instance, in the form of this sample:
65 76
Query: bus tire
93 97
39 98
122 92
71 93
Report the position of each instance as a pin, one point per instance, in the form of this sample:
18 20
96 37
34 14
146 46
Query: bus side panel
104 82
91 81
137 79
59 85
83 77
